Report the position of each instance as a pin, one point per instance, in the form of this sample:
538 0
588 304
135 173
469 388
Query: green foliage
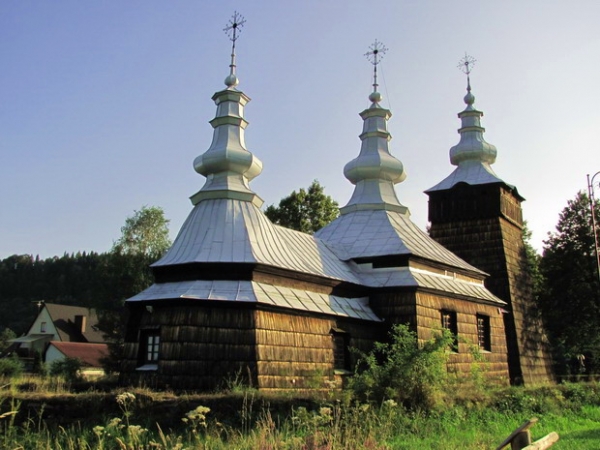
404 371
570 296
10 367
5 336
306 210
144 233
69 368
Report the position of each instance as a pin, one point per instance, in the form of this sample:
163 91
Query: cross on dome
375 54
233 29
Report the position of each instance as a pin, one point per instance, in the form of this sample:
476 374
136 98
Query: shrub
403 370
69 368
10 367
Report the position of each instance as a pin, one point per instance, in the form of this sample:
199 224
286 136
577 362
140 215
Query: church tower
478 216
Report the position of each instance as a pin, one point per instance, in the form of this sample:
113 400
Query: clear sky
104 105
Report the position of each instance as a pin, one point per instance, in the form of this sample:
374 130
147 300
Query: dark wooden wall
483 225
201 346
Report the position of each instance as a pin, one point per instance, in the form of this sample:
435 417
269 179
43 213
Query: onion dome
473 156
375 171
227 165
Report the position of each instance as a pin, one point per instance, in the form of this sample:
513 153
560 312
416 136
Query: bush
10 367
404 371
69 368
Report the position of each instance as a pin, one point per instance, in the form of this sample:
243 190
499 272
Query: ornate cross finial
233 29
466 65
375 55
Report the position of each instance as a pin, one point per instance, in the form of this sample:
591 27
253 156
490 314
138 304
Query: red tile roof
89 354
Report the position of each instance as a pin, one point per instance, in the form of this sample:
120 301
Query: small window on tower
43 327
450 323
483 333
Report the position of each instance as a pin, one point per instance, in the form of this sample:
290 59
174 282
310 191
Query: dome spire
233 30
375 171
472 145
473 156
227 165
375 54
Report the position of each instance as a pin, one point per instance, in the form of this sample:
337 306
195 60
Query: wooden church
238 295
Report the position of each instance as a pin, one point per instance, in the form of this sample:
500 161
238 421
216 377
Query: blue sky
104 105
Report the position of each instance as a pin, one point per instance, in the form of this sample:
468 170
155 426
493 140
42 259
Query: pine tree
570 297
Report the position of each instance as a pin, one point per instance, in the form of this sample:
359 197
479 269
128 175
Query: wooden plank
524 427
543 443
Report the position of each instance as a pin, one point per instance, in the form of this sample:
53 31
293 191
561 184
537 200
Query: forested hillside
101 281
95 280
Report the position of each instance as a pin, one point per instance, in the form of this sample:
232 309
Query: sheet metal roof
367 234
234 231
469 172
255 292
408 276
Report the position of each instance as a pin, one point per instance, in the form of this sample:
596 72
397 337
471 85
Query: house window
450 323
483 333
43 327
341 354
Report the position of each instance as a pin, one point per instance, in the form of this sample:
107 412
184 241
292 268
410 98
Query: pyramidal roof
227 227
374 223
473 156
226 224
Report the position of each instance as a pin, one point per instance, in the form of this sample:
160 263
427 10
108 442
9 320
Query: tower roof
473 156
374 224
227 165
375 171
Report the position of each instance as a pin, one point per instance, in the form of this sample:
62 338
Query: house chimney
80 323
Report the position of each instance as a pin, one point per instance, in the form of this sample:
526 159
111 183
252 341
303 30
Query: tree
6 335
570 294
146 233
306 210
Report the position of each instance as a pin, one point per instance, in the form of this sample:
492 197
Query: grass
41 414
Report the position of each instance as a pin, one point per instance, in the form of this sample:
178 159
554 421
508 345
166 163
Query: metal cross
375 55
233 28
466 65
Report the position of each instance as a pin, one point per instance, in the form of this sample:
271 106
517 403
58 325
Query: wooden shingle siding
490 238
200 346
295 351
429 307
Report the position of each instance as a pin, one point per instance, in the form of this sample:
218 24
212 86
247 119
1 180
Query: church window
341 354
450 323
483 333
43 327
149 346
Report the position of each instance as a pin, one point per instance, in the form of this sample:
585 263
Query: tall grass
336 421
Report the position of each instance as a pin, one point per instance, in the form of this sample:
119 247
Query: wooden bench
520 439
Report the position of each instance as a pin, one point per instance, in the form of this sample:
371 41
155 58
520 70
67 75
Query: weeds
331 422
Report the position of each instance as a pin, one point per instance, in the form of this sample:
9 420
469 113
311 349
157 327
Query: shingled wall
483 225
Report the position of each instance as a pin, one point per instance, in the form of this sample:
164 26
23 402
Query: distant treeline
95 280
